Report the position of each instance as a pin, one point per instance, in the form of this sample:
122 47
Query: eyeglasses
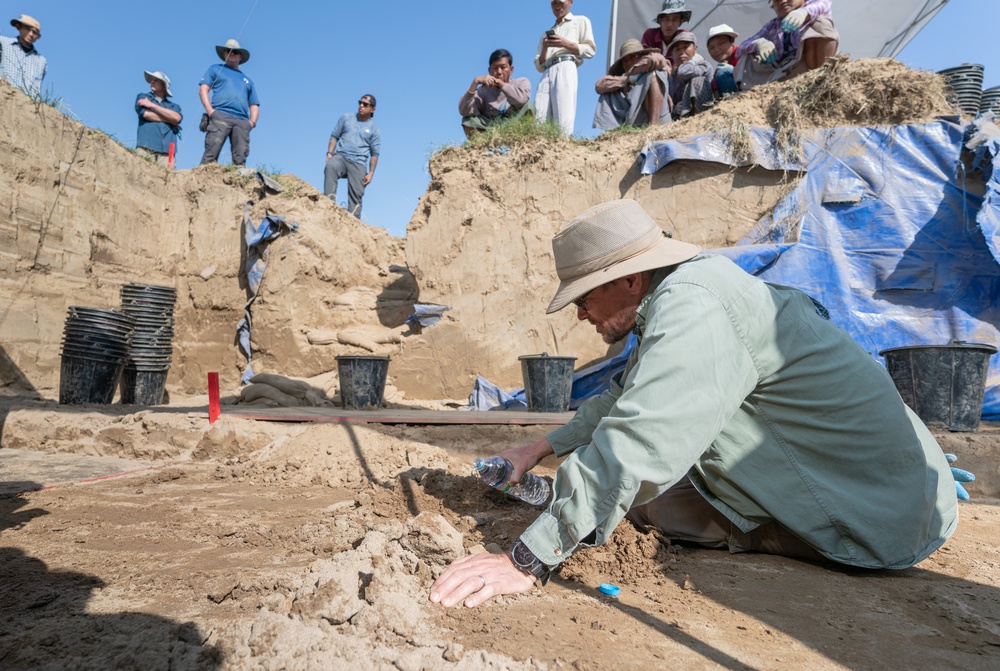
581 302
365 103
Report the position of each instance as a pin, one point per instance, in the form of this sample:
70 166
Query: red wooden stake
170 156
213 397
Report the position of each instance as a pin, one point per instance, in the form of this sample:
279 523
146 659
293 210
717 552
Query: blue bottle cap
609 589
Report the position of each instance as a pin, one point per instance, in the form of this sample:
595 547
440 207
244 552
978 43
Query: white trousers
556 95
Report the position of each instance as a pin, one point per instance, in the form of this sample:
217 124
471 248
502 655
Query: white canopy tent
866 28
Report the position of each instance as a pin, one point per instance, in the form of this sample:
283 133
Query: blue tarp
882 229
885 228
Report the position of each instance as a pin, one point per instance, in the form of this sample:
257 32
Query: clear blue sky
312 60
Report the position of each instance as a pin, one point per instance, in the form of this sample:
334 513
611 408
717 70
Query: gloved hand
766 51
960 477
794 19
725 79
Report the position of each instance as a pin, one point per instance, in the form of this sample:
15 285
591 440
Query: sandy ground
269 545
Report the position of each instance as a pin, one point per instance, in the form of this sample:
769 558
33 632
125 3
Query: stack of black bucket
145 373
965 84
95 347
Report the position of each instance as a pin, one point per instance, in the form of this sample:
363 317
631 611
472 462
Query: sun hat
156 74
29 21
628 48
722 29
233 45
674 7
682 36
609 241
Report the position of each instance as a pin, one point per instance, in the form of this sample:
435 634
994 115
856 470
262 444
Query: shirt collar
27 49
643 309
569 15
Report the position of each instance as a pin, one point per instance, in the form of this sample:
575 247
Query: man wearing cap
355 144
20 62
231 104
159 119
744 419
672 15
634 90
495 97
560 52
722 49
691 82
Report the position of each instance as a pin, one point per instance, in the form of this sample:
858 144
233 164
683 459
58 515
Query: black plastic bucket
88 379
142 387
943 384
362 381
548 381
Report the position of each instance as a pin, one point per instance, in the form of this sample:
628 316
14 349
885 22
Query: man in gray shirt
353 153
495 97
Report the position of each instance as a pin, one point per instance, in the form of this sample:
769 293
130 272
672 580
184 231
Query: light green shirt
772 411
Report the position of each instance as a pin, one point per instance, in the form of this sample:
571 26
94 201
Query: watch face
522 556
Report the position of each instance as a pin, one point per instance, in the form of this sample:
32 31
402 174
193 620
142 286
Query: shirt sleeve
587 45
338 129
818 7
539 65
648 38
469 104
748 45
517 91
252 98
692 373
139 110
375 144
608 84
209 77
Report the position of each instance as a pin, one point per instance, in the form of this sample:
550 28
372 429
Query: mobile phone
550 33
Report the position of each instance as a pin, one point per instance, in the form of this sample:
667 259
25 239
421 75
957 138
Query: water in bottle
496 472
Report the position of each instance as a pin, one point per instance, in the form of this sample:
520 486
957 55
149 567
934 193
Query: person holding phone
560 52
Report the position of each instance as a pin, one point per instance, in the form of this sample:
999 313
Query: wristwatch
525 560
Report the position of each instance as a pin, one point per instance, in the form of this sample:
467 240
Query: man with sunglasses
353 153
20 62
744 420
231 104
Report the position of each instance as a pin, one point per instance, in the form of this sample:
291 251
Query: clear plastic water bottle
496 472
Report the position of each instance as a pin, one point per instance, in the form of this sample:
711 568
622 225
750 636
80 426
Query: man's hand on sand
474 579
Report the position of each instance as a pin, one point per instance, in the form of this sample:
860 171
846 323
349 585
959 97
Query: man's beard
619 325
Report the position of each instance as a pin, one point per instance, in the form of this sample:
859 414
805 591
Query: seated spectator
495 97
671 16
801 37
634 90
722 49
691 82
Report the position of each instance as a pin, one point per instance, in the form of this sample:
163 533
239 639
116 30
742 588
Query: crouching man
744 419
495 97
634 92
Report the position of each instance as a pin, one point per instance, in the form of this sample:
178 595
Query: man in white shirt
560 52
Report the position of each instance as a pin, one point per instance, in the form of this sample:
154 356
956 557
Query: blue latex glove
793 20
725 79
960 477
766 51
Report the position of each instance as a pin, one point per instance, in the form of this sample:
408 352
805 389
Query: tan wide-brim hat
628 48
29 21
609 241
156 74
233 45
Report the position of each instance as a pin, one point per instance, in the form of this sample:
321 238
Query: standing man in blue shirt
20 62
353 153
231 103
159 119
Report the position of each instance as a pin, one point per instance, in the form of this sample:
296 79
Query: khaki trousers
682 514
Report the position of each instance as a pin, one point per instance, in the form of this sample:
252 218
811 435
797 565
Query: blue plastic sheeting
258 240
882 230
427 314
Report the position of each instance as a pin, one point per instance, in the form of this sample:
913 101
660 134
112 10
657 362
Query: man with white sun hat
744 420
159 119
20 62
231 104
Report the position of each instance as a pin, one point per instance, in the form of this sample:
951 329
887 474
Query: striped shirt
24 68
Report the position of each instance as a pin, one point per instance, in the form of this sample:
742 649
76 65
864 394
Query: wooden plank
394 416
